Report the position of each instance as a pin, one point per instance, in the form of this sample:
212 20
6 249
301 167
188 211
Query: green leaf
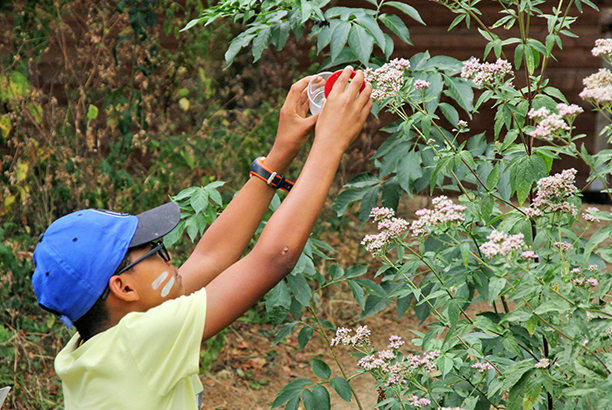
346 198
278 303
460 91
493 177
409 10
486 206
321 369
304 336
342 387
199 200
361 43
368 23
355 271
191 24
92 112
397 26
308 399
321 396
283 332
369 201
496 285
291 391
260 43
299 286
450 113
391 194
409 169
358 293
242 40
339 38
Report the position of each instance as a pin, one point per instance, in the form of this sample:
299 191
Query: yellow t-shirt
147 361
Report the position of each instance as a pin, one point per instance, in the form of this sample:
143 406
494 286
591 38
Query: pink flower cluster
387 80
485 73
482 367
421 84
395 342
590 217
552 194
529 255
603 47
550 125
500 243
343 337
427 361
418 402
444 211
389 228
592 282
598 87
564 246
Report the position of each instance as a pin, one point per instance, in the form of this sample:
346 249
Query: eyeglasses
158 247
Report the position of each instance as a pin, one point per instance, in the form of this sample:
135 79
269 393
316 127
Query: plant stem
331 348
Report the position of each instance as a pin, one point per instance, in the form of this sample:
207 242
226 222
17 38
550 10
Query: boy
139 336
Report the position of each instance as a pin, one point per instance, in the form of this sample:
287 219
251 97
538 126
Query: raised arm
226 239
236 289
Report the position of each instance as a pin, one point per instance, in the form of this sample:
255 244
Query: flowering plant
512 282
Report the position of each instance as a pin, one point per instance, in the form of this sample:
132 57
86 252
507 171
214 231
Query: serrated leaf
304 336
260 43
339 37
321 369
397 26
409 10
361 43
322 399
342 387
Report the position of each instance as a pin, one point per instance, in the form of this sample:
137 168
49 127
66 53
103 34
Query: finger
356 83
296 90
342 81
366 94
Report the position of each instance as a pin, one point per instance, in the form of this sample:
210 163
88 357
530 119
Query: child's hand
294 127
344 112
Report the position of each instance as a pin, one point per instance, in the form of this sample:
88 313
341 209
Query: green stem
331 348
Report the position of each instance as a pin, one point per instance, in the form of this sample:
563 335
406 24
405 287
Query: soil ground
250 372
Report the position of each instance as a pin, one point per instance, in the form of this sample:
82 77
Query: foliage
349 33
96 110
514 289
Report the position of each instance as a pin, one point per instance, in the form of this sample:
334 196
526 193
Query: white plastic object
316 91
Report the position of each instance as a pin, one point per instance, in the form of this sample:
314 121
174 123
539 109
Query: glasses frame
158 247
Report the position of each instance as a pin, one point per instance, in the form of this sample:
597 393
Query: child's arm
240 286
226 239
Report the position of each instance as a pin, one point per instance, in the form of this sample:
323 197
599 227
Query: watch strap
272 178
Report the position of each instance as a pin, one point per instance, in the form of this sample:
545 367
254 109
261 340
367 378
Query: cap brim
155 223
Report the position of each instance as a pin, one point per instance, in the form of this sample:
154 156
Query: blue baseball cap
79 252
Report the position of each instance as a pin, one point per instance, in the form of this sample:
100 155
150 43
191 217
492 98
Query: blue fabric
76 257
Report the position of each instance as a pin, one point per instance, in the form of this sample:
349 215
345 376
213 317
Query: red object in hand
329 84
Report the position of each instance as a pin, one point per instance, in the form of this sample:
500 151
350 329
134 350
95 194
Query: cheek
159 281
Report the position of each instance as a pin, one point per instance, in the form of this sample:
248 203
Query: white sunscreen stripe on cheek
160 279
166 289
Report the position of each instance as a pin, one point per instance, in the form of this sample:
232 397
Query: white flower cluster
387 80
418 402
444 211
550 125
427 361
482 367
389 228
603 47
552 194
542 364
343 337
485 73
598 87
590 217
500 243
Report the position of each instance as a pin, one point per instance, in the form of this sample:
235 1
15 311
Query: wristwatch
272 178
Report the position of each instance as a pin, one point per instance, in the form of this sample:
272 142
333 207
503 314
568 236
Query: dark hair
97 316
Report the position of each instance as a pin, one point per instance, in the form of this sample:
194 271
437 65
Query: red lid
329 84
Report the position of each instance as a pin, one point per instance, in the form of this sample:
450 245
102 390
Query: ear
122 289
